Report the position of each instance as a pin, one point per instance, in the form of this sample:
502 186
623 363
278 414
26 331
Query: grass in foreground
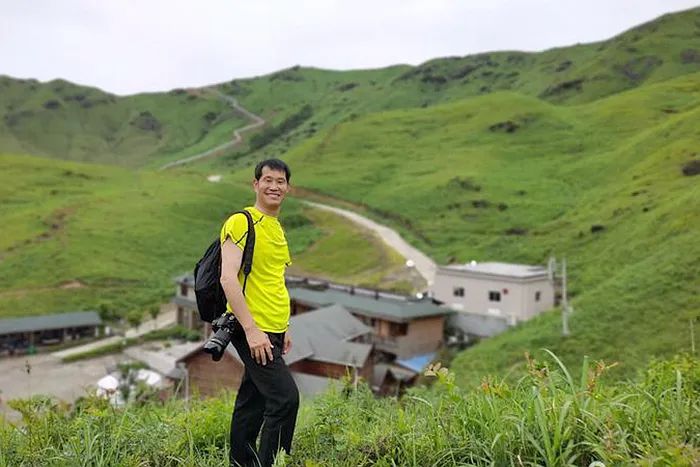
550 417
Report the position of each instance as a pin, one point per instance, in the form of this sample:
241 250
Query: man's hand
260 345
287 343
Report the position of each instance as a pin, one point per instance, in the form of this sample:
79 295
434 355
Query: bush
265 137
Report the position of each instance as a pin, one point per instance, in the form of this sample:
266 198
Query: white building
510 293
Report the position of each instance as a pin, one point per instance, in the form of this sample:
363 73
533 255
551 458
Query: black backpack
211 300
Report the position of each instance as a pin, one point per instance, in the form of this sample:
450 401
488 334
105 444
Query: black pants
268 397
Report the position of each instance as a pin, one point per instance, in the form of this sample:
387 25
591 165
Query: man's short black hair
273 164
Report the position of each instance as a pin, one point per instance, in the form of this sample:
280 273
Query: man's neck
267 211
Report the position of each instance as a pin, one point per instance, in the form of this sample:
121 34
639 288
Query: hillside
58 119
512 178
85 236
63 120
661 49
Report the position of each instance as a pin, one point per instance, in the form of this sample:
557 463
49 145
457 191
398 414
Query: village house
402 327
327 344
400 331
20 335
186 305
490 297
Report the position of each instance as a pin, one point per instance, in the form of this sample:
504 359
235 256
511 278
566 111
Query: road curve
424 265
237 138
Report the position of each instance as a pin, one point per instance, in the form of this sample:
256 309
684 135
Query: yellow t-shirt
265 293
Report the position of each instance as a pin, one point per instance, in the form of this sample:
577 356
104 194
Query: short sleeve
235 228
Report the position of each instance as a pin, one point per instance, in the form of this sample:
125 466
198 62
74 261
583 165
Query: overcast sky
129 46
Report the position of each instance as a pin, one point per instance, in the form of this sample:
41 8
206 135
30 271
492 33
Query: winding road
237 134
424 265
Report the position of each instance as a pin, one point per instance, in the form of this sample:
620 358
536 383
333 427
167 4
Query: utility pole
565 301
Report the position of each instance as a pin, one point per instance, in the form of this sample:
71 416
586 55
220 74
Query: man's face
272 187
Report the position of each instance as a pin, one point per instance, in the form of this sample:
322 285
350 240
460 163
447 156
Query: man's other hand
260 345
287 343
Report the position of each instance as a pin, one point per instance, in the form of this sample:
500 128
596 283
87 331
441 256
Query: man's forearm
234 295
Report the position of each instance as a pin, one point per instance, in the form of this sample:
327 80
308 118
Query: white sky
129 46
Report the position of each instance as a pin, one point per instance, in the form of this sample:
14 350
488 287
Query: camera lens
216 345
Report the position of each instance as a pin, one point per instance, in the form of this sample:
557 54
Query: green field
86 236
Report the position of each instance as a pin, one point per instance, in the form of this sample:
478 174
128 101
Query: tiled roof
48 322
388 308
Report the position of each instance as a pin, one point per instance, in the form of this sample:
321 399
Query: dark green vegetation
550 417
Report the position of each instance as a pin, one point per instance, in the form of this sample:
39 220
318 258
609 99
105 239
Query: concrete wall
517 297
474 324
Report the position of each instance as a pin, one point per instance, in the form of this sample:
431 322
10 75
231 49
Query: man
268 396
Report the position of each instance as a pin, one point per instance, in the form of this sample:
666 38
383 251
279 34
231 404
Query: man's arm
259 343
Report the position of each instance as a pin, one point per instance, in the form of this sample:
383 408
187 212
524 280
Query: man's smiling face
271 188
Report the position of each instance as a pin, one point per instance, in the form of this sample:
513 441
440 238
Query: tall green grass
553 416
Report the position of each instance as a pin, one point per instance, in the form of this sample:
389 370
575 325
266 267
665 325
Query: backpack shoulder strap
247 260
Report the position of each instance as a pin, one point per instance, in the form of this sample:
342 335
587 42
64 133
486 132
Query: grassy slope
86 124
653 52
124 235
650 53
614 162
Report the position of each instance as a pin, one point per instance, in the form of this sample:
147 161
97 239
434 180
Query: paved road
424 265
163 320
237 134
47 375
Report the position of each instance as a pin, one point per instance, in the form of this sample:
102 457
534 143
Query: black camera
223 327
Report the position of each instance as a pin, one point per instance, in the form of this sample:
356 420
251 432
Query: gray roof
163 360
392 309
520 271
323 335
184 302
49 322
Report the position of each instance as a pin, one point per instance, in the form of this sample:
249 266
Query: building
18 335
186 305
325 347
491 296
327 344
401 327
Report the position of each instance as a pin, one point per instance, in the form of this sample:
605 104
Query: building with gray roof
491 296
22 333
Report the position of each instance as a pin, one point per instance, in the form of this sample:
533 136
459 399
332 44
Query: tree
134 318
154 310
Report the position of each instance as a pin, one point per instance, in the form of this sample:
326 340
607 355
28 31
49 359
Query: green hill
59 119
513 178
86 236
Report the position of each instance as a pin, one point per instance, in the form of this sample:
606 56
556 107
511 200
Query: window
538 294
398 329
458 291
494 296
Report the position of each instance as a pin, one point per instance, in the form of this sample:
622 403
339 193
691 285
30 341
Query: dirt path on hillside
424 265
237 134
